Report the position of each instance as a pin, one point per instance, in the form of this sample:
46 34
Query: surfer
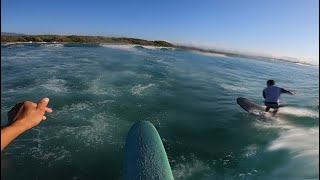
271 95
22 117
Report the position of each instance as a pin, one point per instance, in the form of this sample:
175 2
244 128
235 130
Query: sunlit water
97 92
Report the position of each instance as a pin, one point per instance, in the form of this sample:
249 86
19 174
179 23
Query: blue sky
278 27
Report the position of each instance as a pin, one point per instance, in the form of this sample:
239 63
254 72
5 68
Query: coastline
100 40
80 39
101 44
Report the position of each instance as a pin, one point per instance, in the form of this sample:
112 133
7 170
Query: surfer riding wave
271 94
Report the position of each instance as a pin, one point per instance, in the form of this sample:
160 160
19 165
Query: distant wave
155 47
132 47
52 45
122 47
15 45
303 64
209 54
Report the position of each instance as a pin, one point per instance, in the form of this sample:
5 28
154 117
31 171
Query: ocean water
98 91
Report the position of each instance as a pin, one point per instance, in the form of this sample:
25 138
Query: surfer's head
270 82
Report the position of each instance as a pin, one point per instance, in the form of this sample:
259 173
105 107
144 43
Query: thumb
43 104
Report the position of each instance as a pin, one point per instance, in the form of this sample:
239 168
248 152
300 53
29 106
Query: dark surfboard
251 107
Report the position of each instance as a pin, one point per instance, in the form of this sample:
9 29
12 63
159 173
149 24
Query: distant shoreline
5 39
8 39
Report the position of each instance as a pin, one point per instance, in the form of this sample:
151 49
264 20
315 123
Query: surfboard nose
145 156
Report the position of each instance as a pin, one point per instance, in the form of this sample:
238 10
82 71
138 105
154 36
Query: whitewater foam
53 45
209 54
156 47
233 87
74 107
300 112
303 145
139 89
187 168
56 85
122 47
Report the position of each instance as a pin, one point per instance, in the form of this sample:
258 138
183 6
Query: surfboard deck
251 107
145 156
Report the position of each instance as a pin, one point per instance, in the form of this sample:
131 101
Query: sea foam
122 47
139 89
300 112
303 144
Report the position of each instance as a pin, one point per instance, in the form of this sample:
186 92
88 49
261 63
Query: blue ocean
98 92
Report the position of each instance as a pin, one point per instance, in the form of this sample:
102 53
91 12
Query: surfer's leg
267 109
274 112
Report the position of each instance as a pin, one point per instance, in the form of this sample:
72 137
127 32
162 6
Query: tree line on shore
81 39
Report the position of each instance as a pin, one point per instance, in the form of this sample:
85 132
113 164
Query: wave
303 145
121 47
14 45
300 112
52 45
302 64
155 47
210 54
133 47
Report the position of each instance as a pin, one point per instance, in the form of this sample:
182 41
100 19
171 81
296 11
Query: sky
274 27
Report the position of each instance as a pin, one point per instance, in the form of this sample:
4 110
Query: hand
26 115
293 92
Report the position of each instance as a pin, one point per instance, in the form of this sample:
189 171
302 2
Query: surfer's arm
9 133
23 116
287 92
263 94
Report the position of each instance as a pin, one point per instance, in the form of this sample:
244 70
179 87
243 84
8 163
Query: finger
43 104
34 105
49 110
44 118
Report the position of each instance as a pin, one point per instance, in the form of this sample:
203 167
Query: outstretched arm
288 92
9 133
22 117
